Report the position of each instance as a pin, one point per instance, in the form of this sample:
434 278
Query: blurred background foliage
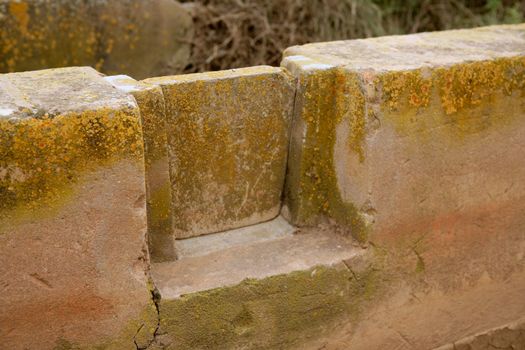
239 33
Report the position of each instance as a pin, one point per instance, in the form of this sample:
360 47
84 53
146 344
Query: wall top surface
55 91
393 53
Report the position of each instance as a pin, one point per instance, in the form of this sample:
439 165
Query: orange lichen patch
405 89
471 84
40 157
19 10
459 100
107 35
351 103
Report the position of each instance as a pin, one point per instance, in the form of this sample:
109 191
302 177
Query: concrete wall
72 213
138 38
410 137
414 145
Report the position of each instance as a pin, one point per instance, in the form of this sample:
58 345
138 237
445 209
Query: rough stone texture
72 214
274 294
138 38
509 337
412 139
153 115
228 141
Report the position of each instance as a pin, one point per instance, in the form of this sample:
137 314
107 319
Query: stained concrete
254 258
228 144
72 214
138 38
409 137
511 336
258 293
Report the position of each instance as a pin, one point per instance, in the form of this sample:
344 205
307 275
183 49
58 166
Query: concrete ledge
261 294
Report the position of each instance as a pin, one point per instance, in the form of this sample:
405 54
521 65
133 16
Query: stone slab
72 214
415 140
150 101
228 141
203 245
138 38
233 264
271 294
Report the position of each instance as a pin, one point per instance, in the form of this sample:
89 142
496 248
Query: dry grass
240 33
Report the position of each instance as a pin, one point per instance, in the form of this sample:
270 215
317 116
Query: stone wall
138 38
413 145
72 213
394 137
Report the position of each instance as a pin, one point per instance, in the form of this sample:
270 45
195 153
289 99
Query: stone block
72 214
410 138
264 294
138 38
228 140
150 101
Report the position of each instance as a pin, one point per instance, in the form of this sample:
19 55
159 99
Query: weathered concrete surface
150 100
228 141
427 317
204 245
416 145
412 138
138 38
72 214
511 337
262 295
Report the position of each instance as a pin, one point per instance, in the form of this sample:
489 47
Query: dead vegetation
240 33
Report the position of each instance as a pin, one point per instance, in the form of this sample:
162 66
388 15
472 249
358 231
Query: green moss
41 158
274 313
329 98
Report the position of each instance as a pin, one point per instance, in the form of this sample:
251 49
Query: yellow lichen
463 99
471 84
41 157
405 89
228 135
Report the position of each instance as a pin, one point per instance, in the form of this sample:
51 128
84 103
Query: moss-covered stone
325 99
43 154
279 312
368 107
228 139
140 38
